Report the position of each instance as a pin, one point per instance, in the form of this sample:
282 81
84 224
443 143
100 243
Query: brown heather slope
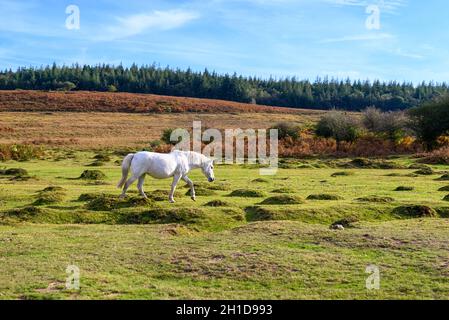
84 101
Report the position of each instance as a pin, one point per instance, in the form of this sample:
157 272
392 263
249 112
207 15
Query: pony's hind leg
127 185
140 186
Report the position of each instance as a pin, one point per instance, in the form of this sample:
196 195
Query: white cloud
390 6
361 37
139 23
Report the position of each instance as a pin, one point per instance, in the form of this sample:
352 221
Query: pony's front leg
176 179
192 189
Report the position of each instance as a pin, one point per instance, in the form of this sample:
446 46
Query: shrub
440 156
283 199
166 137
287 130
338 125
20 152
430 121
391 125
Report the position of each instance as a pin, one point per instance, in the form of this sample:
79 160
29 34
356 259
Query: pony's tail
126 164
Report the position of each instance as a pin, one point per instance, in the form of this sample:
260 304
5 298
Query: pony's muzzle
211 179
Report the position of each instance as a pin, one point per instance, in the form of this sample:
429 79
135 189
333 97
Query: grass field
276 245
99 130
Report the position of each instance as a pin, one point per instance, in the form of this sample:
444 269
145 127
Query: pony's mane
196 158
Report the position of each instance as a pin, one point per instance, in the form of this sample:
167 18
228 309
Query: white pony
176 164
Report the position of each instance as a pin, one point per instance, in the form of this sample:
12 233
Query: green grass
222 246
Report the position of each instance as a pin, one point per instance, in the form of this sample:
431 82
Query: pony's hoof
193 198
172 201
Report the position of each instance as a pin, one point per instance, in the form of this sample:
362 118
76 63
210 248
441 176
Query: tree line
323 93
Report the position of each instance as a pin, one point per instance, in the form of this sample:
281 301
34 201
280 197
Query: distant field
86 101
236 246
85 130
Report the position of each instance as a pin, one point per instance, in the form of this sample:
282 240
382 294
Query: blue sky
279 38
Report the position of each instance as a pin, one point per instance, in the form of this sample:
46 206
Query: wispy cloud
361 37
390 6
157 20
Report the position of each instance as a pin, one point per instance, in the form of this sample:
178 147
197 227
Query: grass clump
102 157
105 202
284 190
446 198
161 195
235 213
217 203
342 174
202 192
92 175
404 188
283 199
18 172
425 171
49 195
347 222
247 193
261 180
324 196
177 215
24 212
445 188
444 177
376 199
97 163
415 211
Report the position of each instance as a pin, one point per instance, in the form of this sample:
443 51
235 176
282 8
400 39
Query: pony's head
208 170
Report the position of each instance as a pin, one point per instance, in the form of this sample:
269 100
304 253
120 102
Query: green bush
20 152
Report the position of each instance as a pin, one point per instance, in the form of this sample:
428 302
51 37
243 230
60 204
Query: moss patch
217 203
